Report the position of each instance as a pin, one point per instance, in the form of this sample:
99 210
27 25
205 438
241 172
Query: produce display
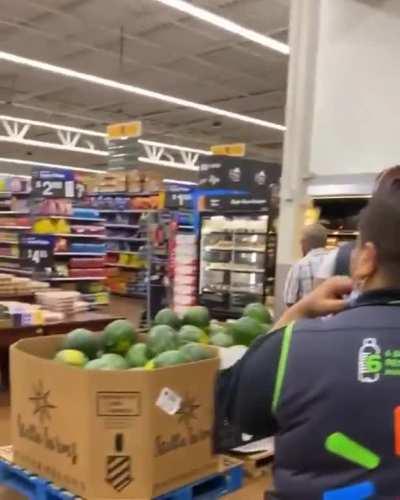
171 341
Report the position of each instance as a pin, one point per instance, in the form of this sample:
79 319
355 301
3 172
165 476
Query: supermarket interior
159 163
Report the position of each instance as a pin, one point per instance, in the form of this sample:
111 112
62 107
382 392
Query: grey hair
315 235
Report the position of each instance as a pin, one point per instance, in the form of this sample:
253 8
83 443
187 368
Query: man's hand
326 299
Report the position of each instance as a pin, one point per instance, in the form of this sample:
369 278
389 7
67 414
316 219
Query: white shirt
327 267
301 277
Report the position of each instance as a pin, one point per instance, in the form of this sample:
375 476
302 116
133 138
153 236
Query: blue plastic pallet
36 488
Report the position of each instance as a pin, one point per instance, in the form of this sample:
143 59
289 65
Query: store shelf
79 235
13 212
79 254
15 271
132 295
343 233
8 242
124 266
74 278
236 231
125 211
118 226
235 249
124 194
9 257
233 268
17 228
67 217
128 252
122 238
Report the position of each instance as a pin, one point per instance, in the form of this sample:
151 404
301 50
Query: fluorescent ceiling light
174 146
52 145
227 25
166 163
16 161
125 87
15 175
177 181
53 126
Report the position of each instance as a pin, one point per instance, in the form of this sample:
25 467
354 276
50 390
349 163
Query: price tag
169 401
127 129
178 198
238 149
52 184
80 190
37 251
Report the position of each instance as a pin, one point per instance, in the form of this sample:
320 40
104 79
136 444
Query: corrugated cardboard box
111 434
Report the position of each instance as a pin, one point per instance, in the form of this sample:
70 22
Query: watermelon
113 362
118 337
71 357
197 316
167 317
190 333
161 338
222 339
194 352
257 311
82 340
170 358
137 355
96 364
245 330
216 327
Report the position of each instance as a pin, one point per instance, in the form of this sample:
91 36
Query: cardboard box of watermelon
111 417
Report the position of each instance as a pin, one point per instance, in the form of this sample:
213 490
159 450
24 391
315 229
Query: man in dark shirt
327 386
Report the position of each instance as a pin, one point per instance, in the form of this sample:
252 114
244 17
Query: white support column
304 27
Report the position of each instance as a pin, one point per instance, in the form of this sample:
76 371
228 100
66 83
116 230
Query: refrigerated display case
237 261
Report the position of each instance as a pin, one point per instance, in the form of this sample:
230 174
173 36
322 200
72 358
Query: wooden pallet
256 464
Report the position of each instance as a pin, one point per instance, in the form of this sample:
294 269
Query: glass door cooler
237 261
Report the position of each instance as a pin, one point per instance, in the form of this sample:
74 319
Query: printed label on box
118 404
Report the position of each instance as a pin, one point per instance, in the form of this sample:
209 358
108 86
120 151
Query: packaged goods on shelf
75 247
88 262
85 213
58 300
52 206
134 181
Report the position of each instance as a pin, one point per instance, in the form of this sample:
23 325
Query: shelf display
183 262
237 255
126 217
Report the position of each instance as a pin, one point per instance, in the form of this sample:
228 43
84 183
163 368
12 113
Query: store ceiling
147 44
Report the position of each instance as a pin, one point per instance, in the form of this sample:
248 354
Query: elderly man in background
302 276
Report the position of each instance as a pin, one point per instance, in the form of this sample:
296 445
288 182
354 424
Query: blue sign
52 183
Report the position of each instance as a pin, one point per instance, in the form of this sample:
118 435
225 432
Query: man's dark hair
380 224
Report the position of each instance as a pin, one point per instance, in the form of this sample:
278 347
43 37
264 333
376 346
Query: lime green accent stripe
341 445
280 374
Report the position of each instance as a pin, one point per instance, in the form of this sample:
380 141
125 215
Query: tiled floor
130 309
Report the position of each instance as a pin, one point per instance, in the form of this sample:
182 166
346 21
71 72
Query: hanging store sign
238 149
178 197
122 130
253 177
47 183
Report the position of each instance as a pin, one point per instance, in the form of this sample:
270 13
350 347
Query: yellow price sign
127 129
238 149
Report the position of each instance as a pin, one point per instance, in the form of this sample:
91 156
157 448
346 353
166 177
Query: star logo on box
187 412
41 402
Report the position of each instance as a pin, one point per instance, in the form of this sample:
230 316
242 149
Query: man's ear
366 262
